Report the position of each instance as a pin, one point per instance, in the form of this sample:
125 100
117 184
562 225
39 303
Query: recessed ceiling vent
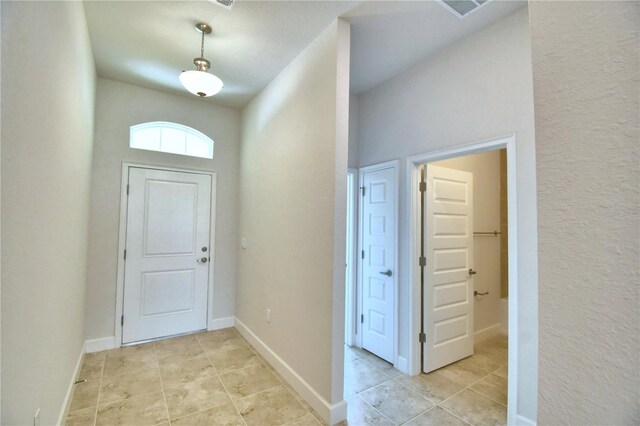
227 4
462 8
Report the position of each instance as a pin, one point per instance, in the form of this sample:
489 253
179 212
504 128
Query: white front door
378 242
448 290
167 254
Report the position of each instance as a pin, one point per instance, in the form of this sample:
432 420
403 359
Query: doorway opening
371 337
464 278
167 241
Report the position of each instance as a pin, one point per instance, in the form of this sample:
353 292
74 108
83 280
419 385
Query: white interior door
167 254
448 289
378 243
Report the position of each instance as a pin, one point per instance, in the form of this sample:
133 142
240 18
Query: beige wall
477 89
486 217
119 106
47 135
586 77
293 167
504 227
353 132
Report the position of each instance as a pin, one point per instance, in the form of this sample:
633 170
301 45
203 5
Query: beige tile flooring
471 391
211 378
217 378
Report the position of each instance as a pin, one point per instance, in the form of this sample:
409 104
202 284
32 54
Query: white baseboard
402 364
524 421
220 323
331 413
487 333
64 410
97 345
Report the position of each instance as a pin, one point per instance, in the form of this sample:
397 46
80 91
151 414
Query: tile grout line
456 416
104 362
287 387
281 380
488 397
164 395
214 370
221 382
378 411
468 387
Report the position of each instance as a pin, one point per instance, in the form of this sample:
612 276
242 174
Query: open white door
378 243
448 289
167 254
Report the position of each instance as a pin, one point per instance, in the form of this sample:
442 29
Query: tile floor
472 391
211 378
217 378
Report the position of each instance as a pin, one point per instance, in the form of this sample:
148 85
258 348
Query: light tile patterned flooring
211 378
217 378
472 391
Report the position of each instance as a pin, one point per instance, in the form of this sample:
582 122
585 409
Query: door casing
352 259
394 164
413 222
122 239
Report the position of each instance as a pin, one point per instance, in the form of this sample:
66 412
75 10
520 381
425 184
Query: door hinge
362 318
362 254
122 320
363 189
422 261
422 338
127 189
423 186
125 254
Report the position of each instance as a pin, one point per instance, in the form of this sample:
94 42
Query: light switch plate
243 242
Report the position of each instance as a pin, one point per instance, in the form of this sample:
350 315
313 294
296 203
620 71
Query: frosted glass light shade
201 83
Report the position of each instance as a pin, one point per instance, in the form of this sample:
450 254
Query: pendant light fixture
200 82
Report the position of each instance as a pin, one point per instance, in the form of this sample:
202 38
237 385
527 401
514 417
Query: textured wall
585 67
293 170
47 138
477 89
118 107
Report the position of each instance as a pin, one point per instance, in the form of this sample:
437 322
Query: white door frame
394 164
413 220
122 240
350 285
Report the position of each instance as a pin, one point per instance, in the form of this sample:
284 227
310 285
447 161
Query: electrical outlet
268 315
243 242
36 418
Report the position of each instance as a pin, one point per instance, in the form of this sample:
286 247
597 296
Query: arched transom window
171 138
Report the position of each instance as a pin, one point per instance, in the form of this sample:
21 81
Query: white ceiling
388 37
149 43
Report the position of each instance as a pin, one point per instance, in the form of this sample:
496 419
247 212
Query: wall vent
462 8
227 4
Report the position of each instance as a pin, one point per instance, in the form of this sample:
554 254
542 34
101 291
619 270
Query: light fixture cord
202 46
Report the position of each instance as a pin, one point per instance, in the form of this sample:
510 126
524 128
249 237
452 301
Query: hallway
209 378
471 391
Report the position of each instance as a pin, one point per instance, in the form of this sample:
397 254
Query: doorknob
472 272
202 260
387 272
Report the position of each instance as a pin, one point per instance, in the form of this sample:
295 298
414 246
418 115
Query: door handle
472 272
202 260
387 272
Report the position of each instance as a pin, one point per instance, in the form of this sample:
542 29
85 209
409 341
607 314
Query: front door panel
167 265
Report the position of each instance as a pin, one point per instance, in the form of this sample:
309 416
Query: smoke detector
462 8
227 4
